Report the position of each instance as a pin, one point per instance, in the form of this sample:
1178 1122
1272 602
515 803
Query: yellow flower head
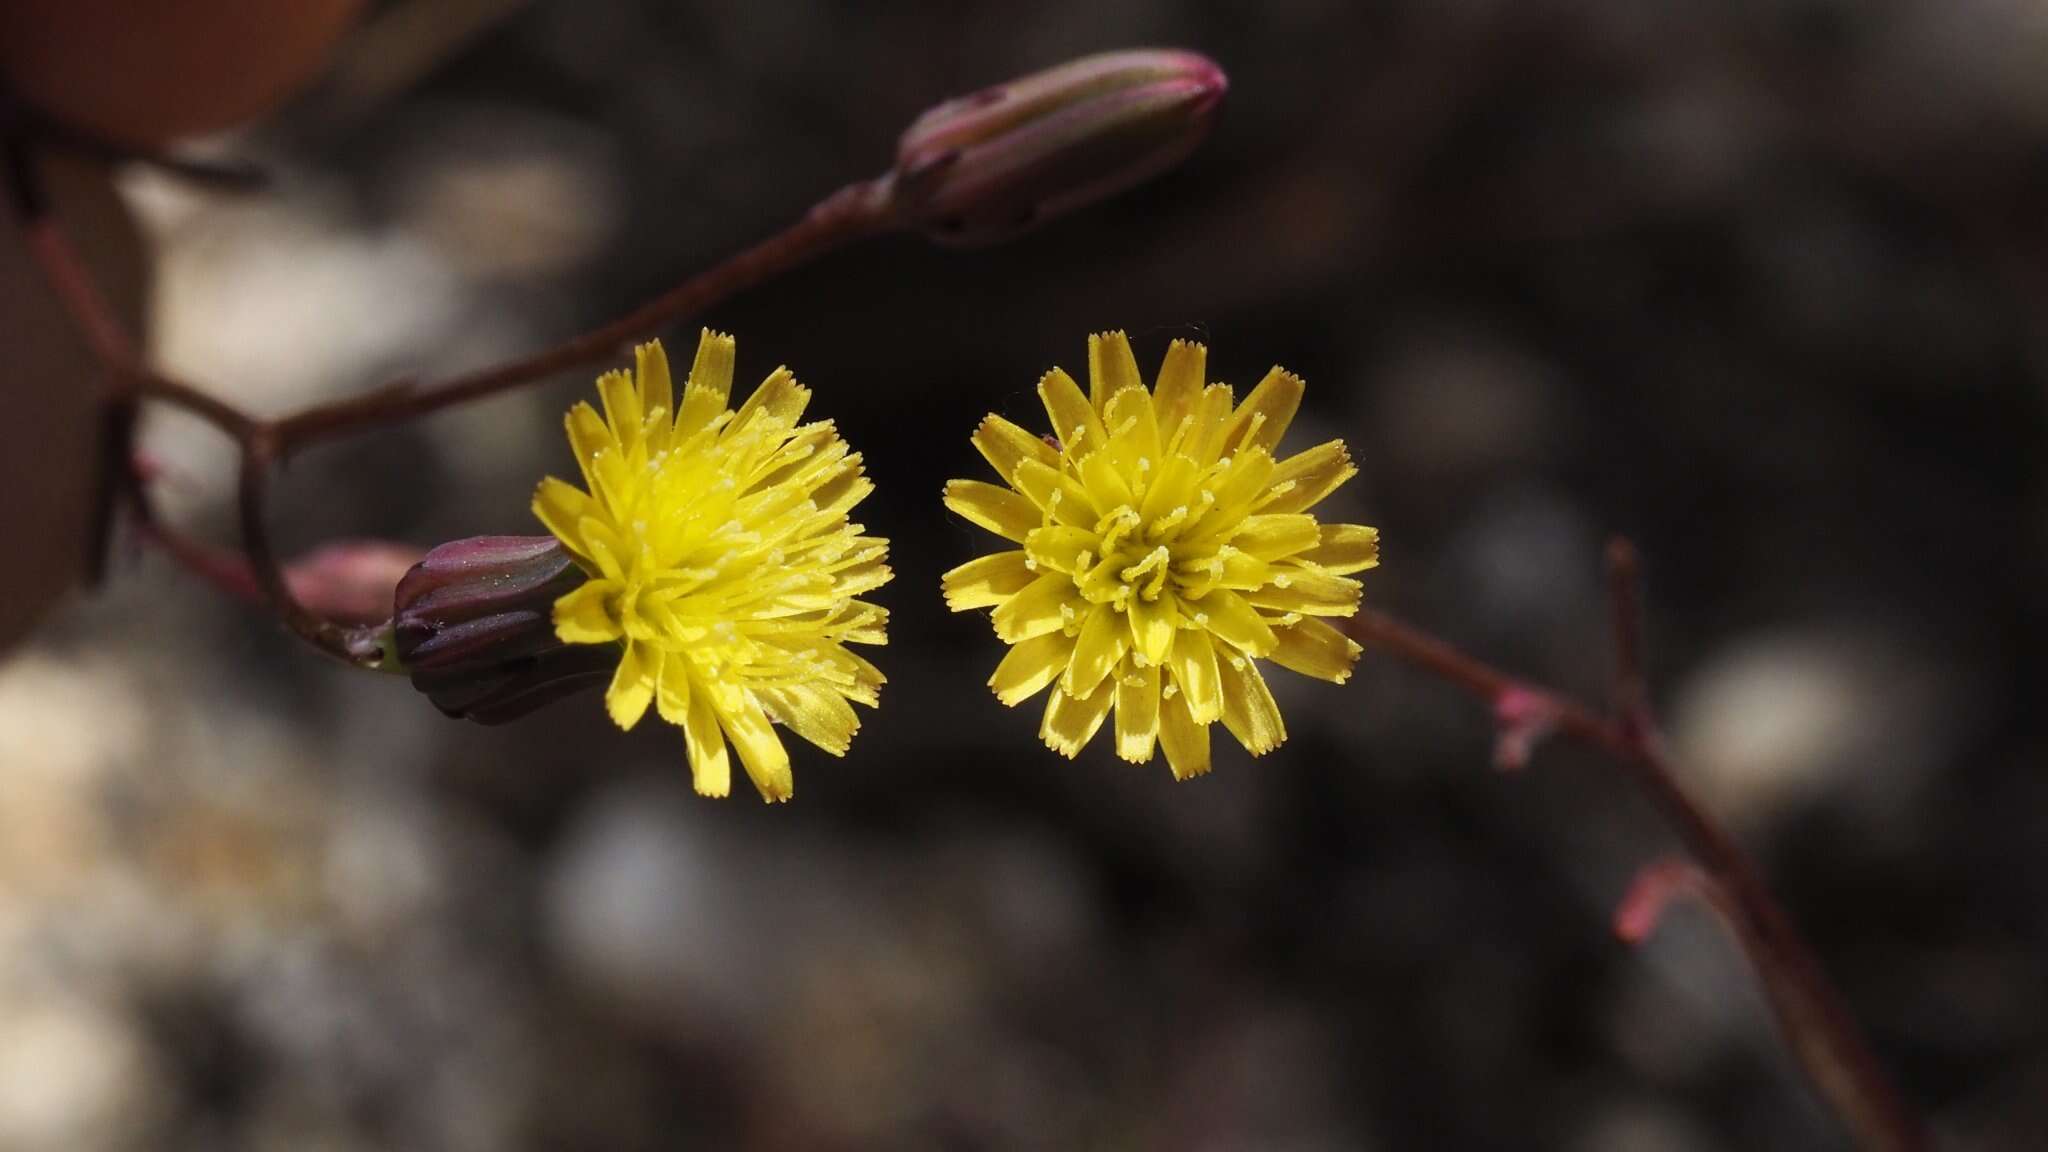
1163 551
721 561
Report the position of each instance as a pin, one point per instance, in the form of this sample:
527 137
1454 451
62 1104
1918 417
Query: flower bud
985 167
474 628
350 580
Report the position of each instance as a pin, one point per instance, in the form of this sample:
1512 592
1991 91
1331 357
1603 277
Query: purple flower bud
985 167
474 627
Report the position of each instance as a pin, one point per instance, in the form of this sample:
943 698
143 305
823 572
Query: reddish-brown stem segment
857 210
861 209
1816 1023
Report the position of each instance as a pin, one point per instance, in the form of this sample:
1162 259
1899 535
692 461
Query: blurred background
1763 285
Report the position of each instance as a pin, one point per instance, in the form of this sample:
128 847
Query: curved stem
857 210
1810 1012
860 209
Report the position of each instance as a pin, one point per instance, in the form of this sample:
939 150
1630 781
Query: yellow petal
1075 422
1131 423
1069 723
1263 418
559 506
1193 667
632 686
1098 650
859 680
837 497
590 440
986 580
657 391
1030 666
861 578
1345 548
1137 714
584 615
761 751
710 767
1006 513
1308 592
621 405
1003 444
1152 626
1314 648
1277 537
1250 473
1045 605
1173 486
672 687
813 712
1111 367
1308 477
1185 740
1211 421
1248 708
705 393
1232 620
779 399
1063 548
1179 386
604 546
1053 491
1228 568
1105 483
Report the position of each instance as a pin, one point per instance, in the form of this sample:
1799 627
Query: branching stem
1810 1012
1818 1027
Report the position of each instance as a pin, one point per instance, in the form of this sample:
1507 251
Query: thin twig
1811 1014
857 210
1624 584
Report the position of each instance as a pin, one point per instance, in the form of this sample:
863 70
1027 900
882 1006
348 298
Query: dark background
1760 285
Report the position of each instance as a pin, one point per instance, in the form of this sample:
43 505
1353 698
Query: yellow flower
721 561
1163 551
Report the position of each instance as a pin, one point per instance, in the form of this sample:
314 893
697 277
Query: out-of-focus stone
1781 720
1640 1126
73 1075
508 194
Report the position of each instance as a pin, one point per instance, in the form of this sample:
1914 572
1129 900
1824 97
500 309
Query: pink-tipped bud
474 628
350 580
985 167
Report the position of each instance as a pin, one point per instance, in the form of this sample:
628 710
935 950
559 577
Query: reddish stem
1811 1014
857 210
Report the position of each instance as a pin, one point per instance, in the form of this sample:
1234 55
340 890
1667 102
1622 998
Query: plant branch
1810 1012
855 211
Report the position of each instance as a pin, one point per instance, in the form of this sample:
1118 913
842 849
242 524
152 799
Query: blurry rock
1525 567
1455 402
277 302
1640 1126
1781 720
1262 1078
263 297
867 985
654 919
74 1077
508 194
64 727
